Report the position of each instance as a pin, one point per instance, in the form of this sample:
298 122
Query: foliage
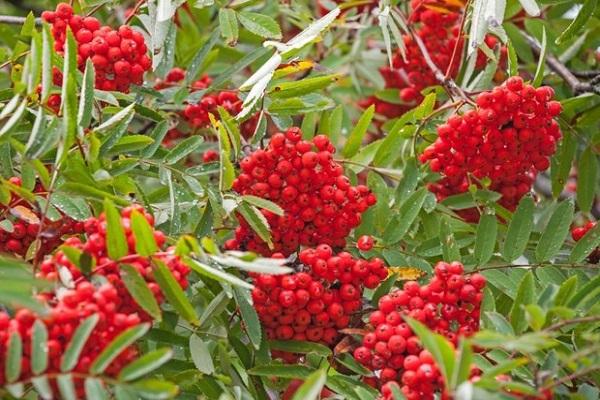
80 150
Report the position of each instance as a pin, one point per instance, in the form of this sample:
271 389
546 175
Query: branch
577 87
558 325
11 20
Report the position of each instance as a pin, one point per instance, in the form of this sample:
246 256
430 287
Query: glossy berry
508 138
319 203
578 233
365 243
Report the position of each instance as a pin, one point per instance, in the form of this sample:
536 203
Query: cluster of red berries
507 138
95 245
25 220
320 205
314 303
119 56
578 232
449 305
66 312
197 115
439 32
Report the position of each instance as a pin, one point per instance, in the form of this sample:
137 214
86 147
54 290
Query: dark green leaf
145 364
485 241
14 355
138 289
282 371
173 292
78 341
525 296
260 24
39 345
86 101
296 346
116 241
145 244
555 232
587 179
183 149
201 355
263 203
116 347
519 230
584 15
312 386
154 389
400 224
249 316
358 132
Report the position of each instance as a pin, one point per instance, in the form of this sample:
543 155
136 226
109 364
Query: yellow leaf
407 273
25 214
293 67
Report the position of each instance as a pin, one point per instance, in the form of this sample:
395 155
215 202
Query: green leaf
539 71
302 87
86 101
216 274
513 63
196 63
201 355
282 371
39 344
157 135
499 323
126 114
441 350
587 179
42 387
312 386
586 290
47 47
145 244
561 162
116 347
296 346
519 230
228 25
145 364
485 238
525 296
260 24
14 355
450 249
257 221
400 224
584 15
155 389
263 203
173 292
555 232
94 389
66 387
249 316
78 341
463 365
116 241
566 291
138 289
183 149
585 245
14 118
130 143
536 317
358 132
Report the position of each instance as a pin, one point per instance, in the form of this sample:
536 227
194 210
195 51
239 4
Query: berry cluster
507 138
66 312
95 245
320 204
439 31
314 303
579 232
449 305
25 220
197 115
119 56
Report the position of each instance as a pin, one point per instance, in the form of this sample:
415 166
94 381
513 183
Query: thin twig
572 376
577 87
136 8
558 325
459 39
506 266
12 20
